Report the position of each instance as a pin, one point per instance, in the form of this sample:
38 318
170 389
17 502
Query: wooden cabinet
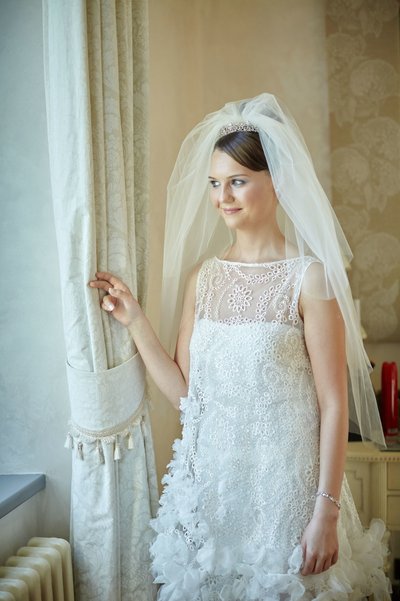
374 480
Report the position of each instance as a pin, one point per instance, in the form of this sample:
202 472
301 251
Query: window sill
15 489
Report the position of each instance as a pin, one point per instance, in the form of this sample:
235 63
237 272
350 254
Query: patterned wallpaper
363 67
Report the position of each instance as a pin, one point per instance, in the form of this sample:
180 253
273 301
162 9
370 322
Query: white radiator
41 571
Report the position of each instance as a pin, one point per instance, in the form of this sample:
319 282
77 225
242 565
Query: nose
225 194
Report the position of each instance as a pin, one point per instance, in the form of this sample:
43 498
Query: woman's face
246 199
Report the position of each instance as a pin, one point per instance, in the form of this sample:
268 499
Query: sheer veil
194 231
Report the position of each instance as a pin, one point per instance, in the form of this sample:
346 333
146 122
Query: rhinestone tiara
230 128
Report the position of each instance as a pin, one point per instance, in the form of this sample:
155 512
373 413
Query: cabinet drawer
359 478
393 473
393 512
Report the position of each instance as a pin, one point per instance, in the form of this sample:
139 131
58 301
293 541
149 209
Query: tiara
231 128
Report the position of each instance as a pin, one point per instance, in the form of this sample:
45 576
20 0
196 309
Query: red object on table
389 401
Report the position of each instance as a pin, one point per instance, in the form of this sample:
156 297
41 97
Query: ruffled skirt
192 564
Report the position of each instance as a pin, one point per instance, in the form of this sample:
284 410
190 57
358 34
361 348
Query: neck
251 247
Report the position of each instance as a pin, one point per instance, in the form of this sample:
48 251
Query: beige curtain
95 63
364 86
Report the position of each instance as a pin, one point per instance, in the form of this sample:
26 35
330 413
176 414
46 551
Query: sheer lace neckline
256 264
235 293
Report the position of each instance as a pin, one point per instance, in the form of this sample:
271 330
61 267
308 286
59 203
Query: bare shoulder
315 282
316 296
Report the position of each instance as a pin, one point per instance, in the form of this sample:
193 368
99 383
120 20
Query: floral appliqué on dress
239 298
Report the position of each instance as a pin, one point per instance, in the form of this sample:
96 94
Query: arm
170 375
325 340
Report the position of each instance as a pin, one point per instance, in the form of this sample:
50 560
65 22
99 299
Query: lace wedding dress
241 487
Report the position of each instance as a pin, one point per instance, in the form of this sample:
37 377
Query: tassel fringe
100 451
117 450
69 442
121 437
80 450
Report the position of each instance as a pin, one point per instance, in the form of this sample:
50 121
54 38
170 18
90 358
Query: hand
320 543
119 300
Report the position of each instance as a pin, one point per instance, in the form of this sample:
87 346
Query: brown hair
245 148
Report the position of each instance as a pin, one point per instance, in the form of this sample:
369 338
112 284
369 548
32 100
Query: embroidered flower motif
239 298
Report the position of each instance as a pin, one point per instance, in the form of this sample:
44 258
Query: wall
33 395
363 43
204 53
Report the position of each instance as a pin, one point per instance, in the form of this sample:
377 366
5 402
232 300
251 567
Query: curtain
96 96
364 83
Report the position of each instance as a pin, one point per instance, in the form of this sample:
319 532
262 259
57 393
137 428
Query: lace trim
120 435
233 292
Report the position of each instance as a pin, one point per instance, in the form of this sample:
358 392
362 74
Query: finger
328 563
115 292
309 566
107 304
324 565
114 281
307 569
320 566
100 284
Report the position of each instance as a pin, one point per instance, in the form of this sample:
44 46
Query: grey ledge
15 489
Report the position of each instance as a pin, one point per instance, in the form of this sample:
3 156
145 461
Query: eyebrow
235 175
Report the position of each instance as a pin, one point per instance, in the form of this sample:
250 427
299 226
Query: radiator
41 571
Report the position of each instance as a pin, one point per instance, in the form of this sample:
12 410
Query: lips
231 211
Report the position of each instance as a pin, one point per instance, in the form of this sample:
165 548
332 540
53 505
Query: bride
255 504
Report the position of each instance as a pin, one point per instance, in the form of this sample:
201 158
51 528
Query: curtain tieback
120 435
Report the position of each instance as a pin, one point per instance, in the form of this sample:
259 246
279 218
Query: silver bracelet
321 493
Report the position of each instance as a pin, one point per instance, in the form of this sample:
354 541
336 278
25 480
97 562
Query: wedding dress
241 487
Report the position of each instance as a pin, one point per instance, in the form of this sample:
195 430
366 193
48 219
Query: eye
238 182
213 183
